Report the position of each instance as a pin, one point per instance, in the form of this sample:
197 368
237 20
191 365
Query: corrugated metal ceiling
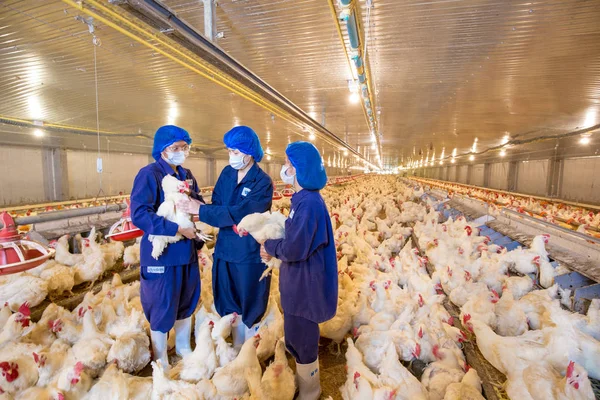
446 71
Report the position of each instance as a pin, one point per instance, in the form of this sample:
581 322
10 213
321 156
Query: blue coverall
308 279
169 286
237 266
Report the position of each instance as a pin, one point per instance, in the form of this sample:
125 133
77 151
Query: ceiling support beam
210 19
145 21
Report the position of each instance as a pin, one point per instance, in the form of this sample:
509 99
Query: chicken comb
78 368
24 309
570 369
356 375
417 352
436 352
60 396
466 318
36 357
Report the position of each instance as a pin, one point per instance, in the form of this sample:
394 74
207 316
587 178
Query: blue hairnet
310 171
244 139
166 136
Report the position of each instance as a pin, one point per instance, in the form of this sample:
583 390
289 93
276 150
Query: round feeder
18 254
124 230
277 195
288 192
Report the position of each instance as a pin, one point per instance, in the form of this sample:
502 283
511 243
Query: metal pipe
75 212
214 64
210 19
352 31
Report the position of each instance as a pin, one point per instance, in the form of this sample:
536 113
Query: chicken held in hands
262 227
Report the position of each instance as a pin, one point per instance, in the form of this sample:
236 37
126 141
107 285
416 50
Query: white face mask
288 180
238 162
175 157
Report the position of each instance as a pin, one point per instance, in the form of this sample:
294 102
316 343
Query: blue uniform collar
166 168
302 194
250 176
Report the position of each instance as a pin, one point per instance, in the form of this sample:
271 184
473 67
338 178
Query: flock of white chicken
394 307
390 312
565 215
58 276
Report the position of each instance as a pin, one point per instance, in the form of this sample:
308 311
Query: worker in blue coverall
170 285
242 188
308 280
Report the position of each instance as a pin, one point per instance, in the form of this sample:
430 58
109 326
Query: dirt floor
333 372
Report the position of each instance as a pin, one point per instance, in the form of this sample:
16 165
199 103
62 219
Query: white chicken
202 362
17 373
22 288
131 254
277 383
230 380
468 389
92 347
174 190
60 279
63 255
263 227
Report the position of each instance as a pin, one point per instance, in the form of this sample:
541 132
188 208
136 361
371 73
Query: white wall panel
477 175
452 174
119 170
199 167
462 173
532 176
499 176
21 176
219 166
581 180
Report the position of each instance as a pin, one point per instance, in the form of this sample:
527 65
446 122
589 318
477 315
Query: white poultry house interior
461 141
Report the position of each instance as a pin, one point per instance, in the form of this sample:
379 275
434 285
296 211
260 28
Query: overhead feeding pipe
205 59
349 14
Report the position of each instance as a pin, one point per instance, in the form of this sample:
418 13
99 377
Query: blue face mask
175 157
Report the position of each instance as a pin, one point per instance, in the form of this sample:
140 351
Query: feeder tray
16 253
277 195
287 192
124 230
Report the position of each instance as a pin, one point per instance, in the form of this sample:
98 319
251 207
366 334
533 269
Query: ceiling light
585 139
312 136
38 133
354 98
471 157
268 157
441 163
502 153
505 139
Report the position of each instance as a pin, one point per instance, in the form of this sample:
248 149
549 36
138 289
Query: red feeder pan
16 253
288 192
277 195
124 230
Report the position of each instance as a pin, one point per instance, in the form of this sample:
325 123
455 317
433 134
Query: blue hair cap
244 139
166 136
306 159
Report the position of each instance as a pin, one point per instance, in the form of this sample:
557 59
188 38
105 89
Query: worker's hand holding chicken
243 188
308 279
169 275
